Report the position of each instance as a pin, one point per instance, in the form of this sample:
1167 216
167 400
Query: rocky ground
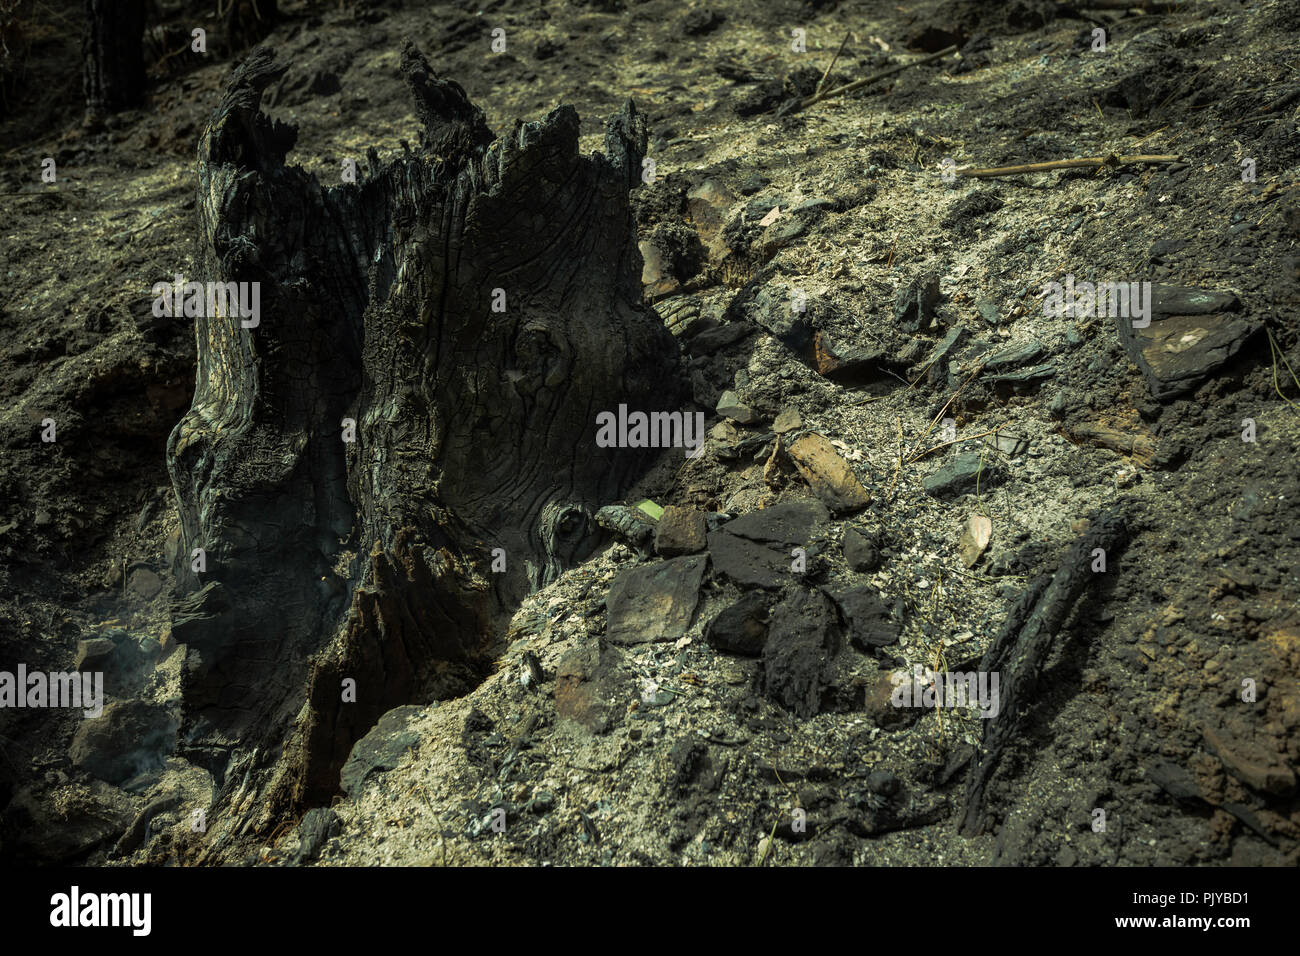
902 442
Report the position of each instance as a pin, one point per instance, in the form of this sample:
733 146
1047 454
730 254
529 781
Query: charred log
113 55
375 560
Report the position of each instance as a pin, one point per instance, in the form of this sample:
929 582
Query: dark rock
709 341
870 624
1177 353
131 737
860 550
763 97
961 474
752 184
1024 376
882 782
793 224
790 523
686 759
933 37
1183 300
1013 356
740 628
94 654
798 656
915 303
381 749
655 602
965 211
143 584
771 310
680 531
546 48
947 345
730 406
748 564
317 827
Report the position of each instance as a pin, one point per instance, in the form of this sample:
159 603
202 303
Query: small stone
1013 356
915 303
730 406
788 524
748 564
860 551
318 826
680 531
740 628
724 432
655 602
94 654
143 584
870 623
1009 444
787 421
798 655
699 21
878 702
1178 352
962 474
828 474
1183 300
974 539
656 272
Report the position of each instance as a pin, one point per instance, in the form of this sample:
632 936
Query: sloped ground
677 751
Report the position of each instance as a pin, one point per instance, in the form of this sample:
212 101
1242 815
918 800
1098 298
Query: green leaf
650 508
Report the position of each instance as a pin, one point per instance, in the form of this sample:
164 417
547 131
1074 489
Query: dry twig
972 172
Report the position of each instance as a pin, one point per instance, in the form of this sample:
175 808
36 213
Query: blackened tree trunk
372 560
113 55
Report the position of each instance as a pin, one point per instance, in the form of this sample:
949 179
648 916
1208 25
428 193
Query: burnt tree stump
112 51
371 560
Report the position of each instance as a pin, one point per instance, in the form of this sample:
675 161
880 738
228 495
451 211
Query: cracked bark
475 430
